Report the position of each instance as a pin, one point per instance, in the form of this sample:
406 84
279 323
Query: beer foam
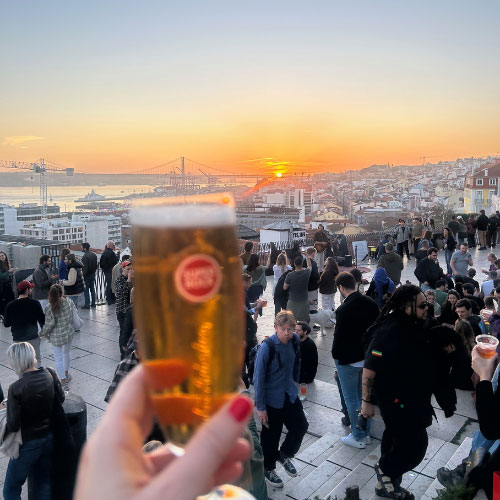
178 216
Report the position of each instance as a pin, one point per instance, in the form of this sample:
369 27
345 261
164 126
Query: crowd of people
394 347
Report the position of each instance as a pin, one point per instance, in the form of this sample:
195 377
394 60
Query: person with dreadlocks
394 379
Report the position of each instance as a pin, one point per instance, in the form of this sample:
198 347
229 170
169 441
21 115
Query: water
65 196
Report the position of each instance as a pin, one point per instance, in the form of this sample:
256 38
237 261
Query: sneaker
273 479
288 466
368 440
345 421
350 440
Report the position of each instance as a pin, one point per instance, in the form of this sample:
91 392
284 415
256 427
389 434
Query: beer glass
188 307
486 346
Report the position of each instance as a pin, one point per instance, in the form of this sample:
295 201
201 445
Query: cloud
20 141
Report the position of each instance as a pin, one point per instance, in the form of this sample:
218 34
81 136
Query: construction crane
424 158
38 168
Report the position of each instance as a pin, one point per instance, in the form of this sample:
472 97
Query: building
27 212
99 229
60 230
480 187
282 231
256 217
8 220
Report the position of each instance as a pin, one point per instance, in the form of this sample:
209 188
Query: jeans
35 457
110 296
61 358
89 289
403 247
292 415
350 380
327 301
447 256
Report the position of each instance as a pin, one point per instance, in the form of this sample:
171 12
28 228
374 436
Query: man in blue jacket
276 375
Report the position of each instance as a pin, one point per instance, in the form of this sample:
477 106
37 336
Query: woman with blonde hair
59 329
282 265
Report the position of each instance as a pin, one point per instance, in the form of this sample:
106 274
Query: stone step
349 457
361 476
315 480
322 445
462 452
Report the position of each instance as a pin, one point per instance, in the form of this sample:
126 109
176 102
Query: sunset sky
119 86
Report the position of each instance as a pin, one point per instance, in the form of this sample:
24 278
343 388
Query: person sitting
381 246
489 285
490 307
471 273
477 302
441 291
308 353
381 287
448 311
461 371
465 312
434 307
392 263
428 271
423 248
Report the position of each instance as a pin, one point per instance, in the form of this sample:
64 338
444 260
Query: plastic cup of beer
303 392
486 346
188 307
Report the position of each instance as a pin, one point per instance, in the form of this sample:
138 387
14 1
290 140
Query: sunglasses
424 305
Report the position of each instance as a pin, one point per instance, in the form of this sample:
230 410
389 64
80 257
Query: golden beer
188 307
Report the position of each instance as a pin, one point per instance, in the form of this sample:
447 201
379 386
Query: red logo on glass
198 278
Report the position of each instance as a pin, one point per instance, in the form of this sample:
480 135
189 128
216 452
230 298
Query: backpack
279 292
252 356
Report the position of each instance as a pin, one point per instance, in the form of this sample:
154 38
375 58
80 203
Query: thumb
193 473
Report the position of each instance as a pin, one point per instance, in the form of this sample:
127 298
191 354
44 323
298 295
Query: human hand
482 366
262 416
114 467
367 409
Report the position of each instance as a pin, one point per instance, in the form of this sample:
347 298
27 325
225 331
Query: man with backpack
276 375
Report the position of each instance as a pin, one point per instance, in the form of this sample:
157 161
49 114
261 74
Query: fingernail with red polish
240 408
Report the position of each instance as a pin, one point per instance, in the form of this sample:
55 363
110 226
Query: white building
8 220
99 229
282 231
61 230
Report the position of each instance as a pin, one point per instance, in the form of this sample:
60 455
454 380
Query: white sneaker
354 443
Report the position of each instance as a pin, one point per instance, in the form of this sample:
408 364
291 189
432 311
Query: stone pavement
95 354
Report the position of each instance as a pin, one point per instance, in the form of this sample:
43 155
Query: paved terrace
326 467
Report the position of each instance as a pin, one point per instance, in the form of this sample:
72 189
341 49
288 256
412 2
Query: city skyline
120 87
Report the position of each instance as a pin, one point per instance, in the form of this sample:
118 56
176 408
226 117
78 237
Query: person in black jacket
428 271
394 379
89 262
29 409
482 227
107 262
491 234
354 317
313 285
23 316
280 294
308 353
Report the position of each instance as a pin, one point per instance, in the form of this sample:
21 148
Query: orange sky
333 88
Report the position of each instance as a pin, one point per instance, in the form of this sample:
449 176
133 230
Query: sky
121 86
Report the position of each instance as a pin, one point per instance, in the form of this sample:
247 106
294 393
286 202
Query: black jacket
24 316
428 270
492 224
482 223
308 361
403 386
313 277
357 313
108 260
79 286
89 261
31 399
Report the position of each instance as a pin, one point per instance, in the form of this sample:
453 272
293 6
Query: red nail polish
240 408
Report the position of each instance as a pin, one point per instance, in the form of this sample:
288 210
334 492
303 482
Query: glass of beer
303 392
188 307
486 346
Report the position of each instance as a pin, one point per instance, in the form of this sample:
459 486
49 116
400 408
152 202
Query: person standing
117 270
6 292
63 269
428 271
327 287
59 330
296 282
491 234
123 287
276 398
471 231
107 262
393 378
74 286
248 248
89 262
392 263
321 242
482 228
43 280
23 316
354 316
29 409
308 353
403 234
454 226
418 234
450 243
313 285
461 260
